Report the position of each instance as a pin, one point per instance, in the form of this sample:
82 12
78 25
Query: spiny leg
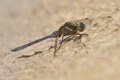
64 40
56 49
56 40
80 37
61 43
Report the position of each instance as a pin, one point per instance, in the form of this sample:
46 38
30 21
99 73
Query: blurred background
22 21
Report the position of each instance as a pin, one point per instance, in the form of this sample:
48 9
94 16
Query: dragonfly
71 29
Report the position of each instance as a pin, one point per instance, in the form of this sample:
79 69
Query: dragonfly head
81 26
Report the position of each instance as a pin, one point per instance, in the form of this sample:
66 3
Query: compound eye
81 26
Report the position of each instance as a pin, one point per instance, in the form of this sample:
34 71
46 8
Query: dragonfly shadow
27 56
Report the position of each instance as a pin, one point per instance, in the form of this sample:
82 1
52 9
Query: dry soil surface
22 21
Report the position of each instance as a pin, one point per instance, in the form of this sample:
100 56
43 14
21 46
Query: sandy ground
22 21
